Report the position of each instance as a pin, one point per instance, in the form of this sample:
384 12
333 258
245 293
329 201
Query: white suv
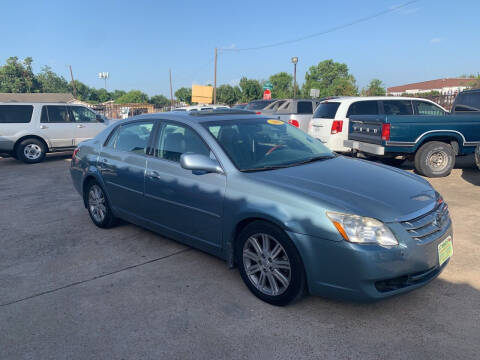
29 130
330 121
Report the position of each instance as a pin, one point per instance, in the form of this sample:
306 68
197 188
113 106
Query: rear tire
98 206
270 264
435 159
31 151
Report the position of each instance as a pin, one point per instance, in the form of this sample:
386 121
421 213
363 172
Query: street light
103 75
294 61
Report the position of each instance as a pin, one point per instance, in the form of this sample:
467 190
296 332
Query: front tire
477 156
435 159
31 151
269 264
97 206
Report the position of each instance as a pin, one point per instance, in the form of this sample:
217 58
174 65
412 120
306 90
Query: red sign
267 94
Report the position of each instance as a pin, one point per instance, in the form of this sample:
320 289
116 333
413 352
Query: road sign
268 85
314 93
267 94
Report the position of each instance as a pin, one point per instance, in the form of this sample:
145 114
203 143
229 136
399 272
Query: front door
122 163
57 126
87 125
183 201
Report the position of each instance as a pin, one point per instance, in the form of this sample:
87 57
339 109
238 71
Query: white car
201 107
29 130
330 122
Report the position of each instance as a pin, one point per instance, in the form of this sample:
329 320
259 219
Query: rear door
303 115
87 125
57 126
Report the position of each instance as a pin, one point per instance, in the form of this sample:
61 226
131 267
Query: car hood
357 187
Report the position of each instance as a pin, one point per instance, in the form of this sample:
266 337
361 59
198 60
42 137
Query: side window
363 108
134 137
426 108
56 114
176 140
83 115
15 114
397 107
112 138
304 107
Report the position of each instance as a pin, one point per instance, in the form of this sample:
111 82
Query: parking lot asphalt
69 290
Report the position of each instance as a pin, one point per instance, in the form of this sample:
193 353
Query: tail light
386 132
258 112
337 126
75 152
294 122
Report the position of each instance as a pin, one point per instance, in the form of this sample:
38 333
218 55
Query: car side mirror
100 118
200 163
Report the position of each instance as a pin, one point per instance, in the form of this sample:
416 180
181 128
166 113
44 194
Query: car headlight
362 230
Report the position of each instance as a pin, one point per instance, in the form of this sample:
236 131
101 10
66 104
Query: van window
467 102
15 114
369 107
83 115
426 108
304 107
326 110
55 114
397 107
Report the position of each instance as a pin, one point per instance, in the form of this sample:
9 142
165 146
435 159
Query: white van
330 121
29 130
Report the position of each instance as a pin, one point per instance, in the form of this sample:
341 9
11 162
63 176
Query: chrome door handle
43 127
80 126
154 174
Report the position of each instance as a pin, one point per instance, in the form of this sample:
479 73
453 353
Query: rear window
257 105
304 107
468 102
15 114
397 107
326 110
363 108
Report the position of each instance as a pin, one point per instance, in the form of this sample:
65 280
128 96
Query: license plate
445 250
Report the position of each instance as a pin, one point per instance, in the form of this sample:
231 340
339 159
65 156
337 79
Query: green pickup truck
431 141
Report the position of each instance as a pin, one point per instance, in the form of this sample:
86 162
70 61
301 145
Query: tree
133 96
159 101
18 77
227 94
184 95
375 88
117 93
50 82
331 78
282 85
251 89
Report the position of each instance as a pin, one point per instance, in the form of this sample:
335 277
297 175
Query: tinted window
326 110
176 140
468 102
304 107
110 143
258 104
15 114
363 108
426 108
134 137
82 114
397 107
55 114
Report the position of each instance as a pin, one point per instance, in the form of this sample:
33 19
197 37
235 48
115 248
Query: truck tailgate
366 128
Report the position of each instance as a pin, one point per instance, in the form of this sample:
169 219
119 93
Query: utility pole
215 79
294 61
73 83
171 90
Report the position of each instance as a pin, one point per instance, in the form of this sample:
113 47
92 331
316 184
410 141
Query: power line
335 28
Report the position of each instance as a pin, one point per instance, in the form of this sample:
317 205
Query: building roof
431 84
37 97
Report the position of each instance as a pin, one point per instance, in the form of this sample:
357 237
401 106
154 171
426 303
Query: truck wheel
31 151
435 159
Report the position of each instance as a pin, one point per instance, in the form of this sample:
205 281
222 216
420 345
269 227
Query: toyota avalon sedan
269 199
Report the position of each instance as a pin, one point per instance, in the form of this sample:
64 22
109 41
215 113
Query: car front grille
431 225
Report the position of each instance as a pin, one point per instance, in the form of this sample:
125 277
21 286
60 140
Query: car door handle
154 174
43 127
103 162
80 126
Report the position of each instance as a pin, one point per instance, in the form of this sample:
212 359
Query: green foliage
18 77
159 101
184 95
375 88
251 89
133 96
331 78
227 94
282 85
117 93
50 82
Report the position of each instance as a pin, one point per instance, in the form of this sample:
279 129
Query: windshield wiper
273 167
266 168
313 159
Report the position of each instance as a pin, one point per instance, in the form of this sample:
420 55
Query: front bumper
343 270
364 147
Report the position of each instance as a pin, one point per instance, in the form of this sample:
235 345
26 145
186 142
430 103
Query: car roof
375 98
38 103
199 116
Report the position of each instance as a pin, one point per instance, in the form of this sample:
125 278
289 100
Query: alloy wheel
32 151
96 203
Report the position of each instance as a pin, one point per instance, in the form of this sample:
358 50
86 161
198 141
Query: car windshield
264 144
